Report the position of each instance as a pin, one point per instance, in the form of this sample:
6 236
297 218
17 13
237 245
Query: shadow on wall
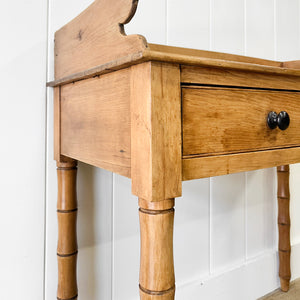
94 231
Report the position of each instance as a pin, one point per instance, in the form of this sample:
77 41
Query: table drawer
233 120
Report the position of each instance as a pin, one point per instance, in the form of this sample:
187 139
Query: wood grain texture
293 64
233 66
169 295
160 205
67 278
217 121
212 55
95 121
284 224
242 78
96 37
56 130
201 167
157 279
199 61
156 131
67 239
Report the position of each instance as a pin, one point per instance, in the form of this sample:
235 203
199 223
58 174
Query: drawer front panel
238 78
225 120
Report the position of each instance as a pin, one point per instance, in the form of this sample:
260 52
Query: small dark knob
272 120
283 120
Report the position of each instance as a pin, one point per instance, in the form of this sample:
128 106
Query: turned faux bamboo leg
67 240
157 280
284 227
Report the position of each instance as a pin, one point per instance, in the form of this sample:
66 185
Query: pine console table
160 115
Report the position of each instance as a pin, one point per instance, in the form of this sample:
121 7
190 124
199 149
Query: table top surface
187 56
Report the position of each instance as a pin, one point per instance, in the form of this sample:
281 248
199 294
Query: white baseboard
295 261
254 279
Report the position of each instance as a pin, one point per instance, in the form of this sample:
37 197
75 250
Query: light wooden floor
292 294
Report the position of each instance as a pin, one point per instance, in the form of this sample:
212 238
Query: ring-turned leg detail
157 280
67 239
284 225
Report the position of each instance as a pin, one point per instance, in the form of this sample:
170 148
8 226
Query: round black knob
283 120
272 120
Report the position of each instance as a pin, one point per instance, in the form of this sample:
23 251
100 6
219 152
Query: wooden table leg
67 240
157 279
284 227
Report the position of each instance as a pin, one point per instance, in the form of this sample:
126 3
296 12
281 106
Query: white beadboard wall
22 138
225 227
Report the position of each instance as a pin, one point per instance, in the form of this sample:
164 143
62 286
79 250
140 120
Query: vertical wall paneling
191 34
261 221
191 233
259 31
287 30
227 26
22 131
150 21
228 234
126 241
94 232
